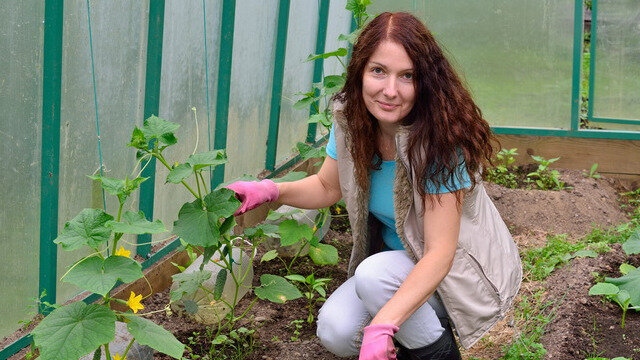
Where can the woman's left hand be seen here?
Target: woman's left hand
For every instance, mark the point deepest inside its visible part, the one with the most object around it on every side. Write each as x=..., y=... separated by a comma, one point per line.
x=377, y=342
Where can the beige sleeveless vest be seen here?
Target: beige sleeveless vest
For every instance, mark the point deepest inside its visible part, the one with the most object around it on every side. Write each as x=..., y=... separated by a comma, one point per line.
x=486, y=272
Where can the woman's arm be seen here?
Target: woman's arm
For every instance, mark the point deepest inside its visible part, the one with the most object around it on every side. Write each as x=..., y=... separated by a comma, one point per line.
x=441, y=229
x=315, y=191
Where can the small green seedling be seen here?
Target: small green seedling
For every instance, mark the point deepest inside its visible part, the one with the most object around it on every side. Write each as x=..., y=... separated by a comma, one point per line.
x=624, y=291
x=543, y=177
x=502, y=173
x=592, y=172
x=313, y=288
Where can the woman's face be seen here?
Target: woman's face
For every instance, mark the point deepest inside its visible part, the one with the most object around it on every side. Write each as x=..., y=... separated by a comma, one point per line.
x=387, y=84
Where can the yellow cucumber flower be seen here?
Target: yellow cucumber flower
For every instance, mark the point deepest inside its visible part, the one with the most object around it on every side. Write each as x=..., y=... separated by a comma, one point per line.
x=134, y=302
x=118, y=357
x=123, y=252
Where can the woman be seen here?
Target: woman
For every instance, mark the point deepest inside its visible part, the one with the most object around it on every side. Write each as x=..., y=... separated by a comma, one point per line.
x=430, y=250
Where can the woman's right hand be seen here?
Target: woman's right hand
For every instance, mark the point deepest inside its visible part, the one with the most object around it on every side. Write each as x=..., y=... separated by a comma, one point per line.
x=254, y=193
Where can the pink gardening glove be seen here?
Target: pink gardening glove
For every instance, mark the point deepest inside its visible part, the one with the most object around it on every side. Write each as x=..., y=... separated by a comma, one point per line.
x=377, y=342
x=254, y=193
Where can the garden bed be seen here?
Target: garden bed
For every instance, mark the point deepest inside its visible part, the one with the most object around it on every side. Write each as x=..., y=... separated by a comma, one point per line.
x=582, y=325
x=530, y=214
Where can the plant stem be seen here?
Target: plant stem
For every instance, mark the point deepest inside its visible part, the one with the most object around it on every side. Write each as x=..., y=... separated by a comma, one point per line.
x=198, y=185
x=107, y=353
x=124, y=356
x=160, y=158
x=342, y=63
x=204, y=183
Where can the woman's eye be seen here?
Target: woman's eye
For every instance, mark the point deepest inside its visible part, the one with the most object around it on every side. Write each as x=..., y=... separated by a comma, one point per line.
x=376, y=70
x=408, y=76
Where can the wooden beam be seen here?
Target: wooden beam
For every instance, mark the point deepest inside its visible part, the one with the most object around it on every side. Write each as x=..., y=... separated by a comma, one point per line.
x=615, y=158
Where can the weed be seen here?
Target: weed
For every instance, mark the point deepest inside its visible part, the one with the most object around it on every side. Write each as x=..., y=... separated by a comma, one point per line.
x=533, y=313
x=313, y=287
x=541, y=262
x=545, y=178
x=592, y=172
x=297, y=326
x=502, y=173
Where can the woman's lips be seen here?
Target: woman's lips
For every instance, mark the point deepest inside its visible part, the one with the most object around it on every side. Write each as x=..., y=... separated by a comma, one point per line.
x=387, y=106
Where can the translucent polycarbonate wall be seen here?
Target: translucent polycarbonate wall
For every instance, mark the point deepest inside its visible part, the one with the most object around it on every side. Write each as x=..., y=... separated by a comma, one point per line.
x=251, y=80
x=21, y=32
x=339, y=23
x=183, y=87
x=119, y=47
x=298, y=75
x=516, y=56
x=617, y=61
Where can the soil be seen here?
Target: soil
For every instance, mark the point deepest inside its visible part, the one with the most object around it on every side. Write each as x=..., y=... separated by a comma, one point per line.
x=583, y=325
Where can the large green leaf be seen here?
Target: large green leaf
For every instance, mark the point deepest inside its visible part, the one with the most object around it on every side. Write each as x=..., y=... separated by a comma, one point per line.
x=146, y=332
x=629, y=283
x=136, y=223
x=323, y=254
x=179, y=173
x=197, y=226
x=308, y=152
x=339, y=52
x=72, y=331
x=244, y=177
x=87, y=228
x=157, y=128
x=188, y=283
x=200, y=226
x=138, y=140
x=209, y=158
x=262, y=230
x=291, y=232
x=604, y=289
x=333, y=83
x=632, y=245
x=100, y=276
x=276, y=289
x=222, y=202
x=291, y=176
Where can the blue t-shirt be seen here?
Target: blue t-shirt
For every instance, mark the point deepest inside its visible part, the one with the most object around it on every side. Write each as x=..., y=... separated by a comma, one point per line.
x=381, y=195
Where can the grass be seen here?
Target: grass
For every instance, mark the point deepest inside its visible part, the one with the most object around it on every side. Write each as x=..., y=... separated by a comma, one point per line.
x=532, y=314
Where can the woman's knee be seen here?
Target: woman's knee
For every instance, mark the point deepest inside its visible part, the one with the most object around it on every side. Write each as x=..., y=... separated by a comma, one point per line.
x=380, y=275
x=339, y=337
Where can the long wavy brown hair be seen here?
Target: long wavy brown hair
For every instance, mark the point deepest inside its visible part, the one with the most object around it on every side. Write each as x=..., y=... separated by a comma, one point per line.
x=445, y=125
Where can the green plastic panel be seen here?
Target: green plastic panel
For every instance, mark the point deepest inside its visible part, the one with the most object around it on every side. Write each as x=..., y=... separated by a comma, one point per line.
x=21, y=34
x=118, y=33
x=298, y=75
x=339, y=23
x=250, y=91
x=516, y=56
x=617, y=61
x=184, y=86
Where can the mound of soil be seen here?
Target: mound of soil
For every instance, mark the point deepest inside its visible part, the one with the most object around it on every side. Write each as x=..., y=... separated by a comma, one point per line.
x=591, y=202
x=586, y=326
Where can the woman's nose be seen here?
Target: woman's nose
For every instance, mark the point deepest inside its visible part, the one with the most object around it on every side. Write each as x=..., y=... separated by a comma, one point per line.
x=390, y=88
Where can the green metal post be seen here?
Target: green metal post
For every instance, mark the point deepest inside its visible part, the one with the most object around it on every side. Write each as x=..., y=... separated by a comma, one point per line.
x=592, y=58
x=151, y=107
x=321, y=40
x=224, y=83
x=577, y=64
x=51, y=98
x=276, y=87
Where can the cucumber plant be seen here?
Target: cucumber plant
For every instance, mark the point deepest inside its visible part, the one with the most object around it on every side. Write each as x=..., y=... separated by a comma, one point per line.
x=625, y=290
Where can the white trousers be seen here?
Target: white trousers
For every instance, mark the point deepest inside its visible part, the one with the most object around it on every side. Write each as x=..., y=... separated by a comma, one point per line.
x=352, y=306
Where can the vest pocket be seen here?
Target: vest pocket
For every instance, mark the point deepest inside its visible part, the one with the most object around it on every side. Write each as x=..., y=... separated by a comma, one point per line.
x=475, y=264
